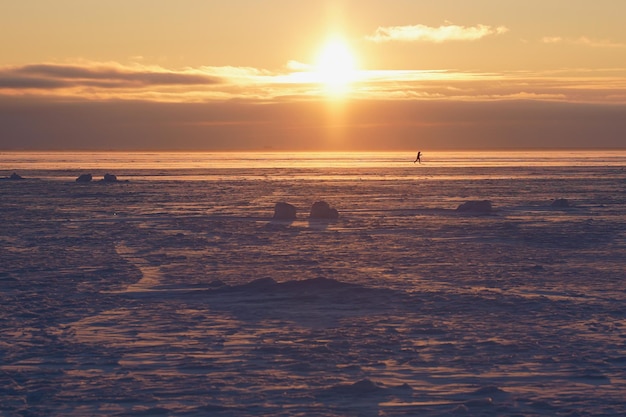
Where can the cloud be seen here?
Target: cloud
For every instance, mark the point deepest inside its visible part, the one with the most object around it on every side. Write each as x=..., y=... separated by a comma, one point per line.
x=298, y=66
x=598, y=86
x=116, y=75
x=56, y=76
x=10, y=81
x=584, y=41
x=552, y=39
x=445, y=33
x=110, y=80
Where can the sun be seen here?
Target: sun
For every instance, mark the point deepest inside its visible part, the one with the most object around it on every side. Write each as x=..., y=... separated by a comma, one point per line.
x=335, y=66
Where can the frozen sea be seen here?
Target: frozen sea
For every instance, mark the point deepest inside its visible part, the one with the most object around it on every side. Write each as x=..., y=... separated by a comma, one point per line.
x=174, y=292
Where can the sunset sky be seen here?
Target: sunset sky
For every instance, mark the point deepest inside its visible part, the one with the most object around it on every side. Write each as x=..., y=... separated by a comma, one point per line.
x=322, y=75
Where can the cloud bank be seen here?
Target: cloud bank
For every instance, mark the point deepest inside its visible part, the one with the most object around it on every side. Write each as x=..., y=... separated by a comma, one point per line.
x=111, y=81
x=27, y=123
x=444, y=33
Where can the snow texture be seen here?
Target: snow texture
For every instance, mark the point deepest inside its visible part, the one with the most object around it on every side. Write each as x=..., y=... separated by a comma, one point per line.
x=476, y=206
x=163, y=296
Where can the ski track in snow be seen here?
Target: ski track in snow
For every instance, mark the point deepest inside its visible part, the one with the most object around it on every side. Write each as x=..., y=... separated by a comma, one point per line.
x=185, y=298
x=151, y=276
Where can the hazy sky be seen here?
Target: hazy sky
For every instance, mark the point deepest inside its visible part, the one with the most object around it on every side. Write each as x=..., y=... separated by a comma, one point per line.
x=284, y=74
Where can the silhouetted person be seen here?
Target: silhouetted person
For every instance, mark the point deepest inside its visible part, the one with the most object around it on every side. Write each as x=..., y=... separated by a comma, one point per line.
x=418, y=158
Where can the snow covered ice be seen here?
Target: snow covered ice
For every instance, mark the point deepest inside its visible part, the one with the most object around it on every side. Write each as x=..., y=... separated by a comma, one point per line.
x=174, y=292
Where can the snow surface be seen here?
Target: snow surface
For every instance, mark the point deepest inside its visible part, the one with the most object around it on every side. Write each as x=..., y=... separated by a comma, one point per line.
x=162, y=296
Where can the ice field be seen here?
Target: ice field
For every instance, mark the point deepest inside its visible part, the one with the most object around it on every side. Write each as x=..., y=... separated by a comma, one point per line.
x=173, y=291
